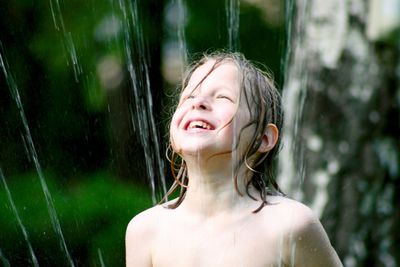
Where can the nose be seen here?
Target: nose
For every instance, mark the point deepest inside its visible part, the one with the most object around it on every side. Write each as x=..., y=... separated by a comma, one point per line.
x=200, y=102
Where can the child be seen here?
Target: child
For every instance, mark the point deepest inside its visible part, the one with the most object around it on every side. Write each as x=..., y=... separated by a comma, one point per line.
x=230, y=212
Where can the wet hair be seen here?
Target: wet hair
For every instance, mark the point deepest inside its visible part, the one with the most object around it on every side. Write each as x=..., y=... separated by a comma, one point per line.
x=264, y=104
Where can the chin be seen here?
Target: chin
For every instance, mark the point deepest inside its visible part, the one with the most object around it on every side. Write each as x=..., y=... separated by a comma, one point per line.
x=198, y=151
x=195, y=151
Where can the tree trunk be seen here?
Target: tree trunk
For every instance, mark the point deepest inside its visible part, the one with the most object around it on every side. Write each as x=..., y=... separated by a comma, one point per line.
x=341, y=138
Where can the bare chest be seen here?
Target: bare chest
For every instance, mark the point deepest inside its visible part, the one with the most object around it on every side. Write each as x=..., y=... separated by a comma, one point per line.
x=234, y=245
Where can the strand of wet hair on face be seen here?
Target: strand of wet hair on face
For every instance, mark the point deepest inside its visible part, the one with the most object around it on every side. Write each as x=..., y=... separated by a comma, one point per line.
x=194, y=67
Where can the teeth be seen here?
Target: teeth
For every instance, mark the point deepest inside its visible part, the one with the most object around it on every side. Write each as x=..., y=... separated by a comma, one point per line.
x=199, y=124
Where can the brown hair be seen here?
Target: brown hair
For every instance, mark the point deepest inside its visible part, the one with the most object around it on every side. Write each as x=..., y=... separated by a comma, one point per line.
x=264, y=103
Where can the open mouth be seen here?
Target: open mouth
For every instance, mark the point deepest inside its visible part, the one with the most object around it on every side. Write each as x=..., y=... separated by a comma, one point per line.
x=199, y=124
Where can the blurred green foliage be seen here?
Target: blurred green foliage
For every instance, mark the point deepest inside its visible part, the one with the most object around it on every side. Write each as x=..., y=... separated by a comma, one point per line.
x=93, y=213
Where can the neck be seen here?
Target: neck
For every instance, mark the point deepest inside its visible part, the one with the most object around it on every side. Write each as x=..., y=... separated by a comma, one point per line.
x=211, y=189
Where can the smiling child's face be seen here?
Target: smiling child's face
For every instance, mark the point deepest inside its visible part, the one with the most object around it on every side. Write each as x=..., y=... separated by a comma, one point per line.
x=209, y=117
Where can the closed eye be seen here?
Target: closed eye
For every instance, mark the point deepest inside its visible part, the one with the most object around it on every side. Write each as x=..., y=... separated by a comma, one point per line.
x=224, y=97
x=183, y=98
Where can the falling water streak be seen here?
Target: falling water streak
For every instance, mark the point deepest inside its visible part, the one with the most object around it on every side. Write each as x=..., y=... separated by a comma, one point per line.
x=101, y=258
x=137, y=98
x=28, y=137
x=67, y=41
x=154, y=135
x=232, y=9
x=294, y=94
x=289, y=9
x=15, y=211
x=297, y=146
x=293, y=254
x=149, y=107
x=73, y=56
x=53, y=13
x=143, y=128
x=143, y=97
x=181, y=35
x=235, y=157
x=4, y=260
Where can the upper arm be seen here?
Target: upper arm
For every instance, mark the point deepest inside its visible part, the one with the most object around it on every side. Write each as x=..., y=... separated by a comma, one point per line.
x=309, y=244
x=138, y=242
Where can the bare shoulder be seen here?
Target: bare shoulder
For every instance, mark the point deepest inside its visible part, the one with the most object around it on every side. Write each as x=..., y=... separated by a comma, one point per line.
x=291, y=212
x=139, y=237
x=307, y=243
x=143, y=221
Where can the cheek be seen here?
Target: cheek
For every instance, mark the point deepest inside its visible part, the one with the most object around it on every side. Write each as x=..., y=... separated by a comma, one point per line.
x=177, y=117
x=174, y=128
x=173, y=145
x=172, y=138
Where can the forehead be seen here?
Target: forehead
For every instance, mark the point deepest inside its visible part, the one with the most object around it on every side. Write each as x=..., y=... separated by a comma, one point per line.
x=224, y=73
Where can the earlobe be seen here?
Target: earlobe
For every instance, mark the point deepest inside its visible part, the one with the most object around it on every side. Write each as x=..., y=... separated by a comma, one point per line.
x=270, y=138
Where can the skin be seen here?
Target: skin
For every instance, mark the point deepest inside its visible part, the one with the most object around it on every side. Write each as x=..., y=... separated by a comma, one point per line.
x=214, y=225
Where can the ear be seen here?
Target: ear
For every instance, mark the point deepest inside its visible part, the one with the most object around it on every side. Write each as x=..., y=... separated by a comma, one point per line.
x=269, y=139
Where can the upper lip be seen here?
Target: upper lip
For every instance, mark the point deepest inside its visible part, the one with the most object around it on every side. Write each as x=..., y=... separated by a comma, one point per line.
x=187, y=123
